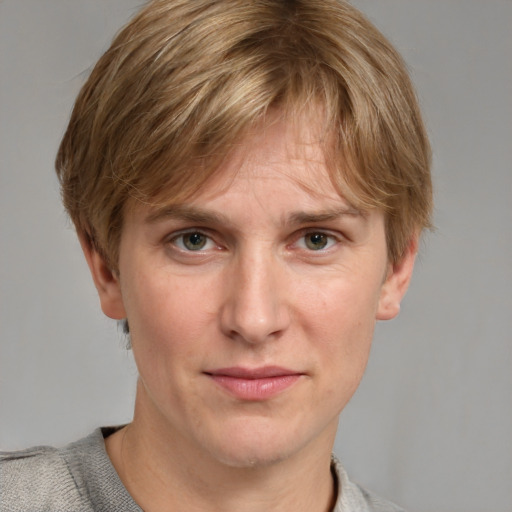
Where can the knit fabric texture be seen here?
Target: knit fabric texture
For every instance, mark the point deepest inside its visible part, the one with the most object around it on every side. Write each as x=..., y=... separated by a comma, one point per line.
x=81, y=478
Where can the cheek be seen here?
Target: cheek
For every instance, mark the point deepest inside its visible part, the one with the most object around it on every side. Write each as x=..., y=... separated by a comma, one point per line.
x=340, y=325
x=342, y=307
x=167, y=316
x=345, y=354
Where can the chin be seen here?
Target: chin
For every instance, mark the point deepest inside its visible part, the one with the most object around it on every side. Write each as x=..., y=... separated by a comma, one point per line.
x=251, y=458
x=257, y=447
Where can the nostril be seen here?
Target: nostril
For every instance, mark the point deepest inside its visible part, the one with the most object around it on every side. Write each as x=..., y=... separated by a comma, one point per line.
x=249, y=327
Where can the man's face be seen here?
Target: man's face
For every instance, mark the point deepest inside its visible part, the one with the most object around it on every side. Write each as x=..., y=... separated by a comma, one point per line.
x=252, y=305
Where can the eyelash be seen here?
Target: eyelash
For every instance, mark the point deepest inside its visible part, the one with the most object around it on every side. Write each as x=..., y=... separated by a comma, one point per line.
x=329, y=238
x=178, y=240
x=175, y=240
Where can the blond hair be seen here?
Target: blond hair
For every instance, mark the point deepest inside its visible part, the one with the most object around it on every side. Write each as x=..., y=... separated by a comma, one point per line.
x=184, y=80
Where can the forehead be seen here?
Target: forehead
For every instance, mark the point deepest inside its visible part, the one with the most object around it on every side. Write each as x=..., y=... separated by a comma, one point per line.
x=285, y=155
x=277, y=178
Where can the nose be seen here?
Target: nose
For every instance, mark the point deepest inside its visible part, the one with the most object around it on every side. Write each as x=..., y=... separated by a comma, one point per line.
x=255, y=308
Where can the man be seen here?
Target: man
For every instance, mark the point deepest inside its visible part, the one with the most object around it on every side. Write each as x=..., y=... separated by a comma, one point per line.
x=248, y=181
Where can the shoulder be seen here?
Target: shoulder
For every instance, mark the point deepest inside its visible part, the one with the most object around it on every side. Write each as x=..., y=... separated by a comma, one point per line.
x=77, y=478
x=353, y=497
x=35, y=479
x=43, y=479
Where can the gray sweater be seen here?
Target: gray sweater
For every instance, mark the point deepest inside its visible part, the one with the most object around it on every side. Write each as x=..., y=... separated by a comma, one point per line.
x=81, y=478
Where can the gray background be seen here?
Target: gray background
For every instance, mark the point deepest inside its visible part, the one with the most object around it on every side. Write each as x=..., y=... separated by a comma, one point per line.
x=431, y=425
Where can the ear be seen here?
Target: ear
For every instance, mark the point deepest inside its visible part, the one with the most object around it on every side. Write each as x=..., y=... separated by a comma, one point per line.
x=105, y=280
x=396, y=283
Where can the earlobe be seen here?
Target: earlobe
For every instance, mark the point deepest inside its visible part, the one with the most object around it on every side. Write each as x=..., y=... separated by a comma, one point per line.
x=396, y=283
x=106, y=281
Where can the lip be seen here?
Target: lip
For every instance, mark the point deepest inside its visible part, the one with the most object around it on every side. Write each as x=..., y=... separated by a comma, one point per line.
x=254, y=384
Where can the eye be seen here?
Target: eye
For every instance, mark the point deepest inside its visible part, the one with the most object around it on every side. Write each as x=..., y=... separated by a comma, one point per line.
x=192, y=241
x=316, y=241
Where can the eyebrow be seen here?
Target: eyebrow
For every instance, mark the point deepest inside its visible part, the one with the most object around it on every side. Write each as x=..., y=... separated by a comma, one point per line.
x=323, y=216
x=187, y=213
x=202, y=216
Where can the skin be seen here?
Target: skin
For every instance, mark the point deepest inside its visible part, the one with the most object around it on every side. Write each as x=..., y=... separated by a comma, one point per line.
x=268, y=265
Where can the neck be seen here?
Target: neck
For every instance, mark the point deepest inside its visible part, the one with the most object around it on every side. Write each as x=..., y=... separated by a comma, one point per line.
x=163, y=472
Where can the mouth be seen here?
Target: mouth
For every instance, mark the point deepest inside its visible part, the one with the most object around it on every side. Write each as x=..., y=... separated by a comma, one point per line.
x=254, y=384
